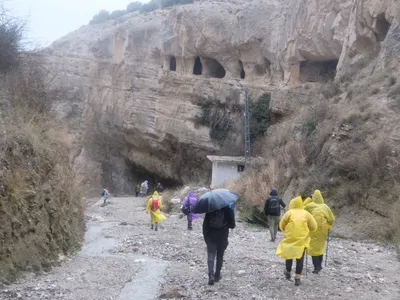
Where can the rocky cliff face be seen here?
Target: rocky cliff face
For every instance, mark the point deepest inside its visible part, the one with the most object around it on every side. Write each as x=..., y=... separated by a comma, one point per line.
x=135, y=85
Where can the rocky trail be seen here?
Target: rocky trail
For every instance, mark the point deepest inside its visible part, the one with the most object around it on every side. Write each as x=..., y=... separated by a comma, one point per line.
x=123, y=259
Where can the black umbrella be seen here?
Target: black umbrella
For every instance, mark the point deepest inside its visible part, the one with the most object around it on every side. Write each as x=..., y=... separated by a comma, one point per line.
x=214, y=200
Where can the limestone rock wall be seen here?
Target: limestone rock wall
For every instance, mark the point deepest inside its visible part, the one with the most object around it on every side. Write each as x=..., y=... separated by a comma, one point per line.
x=139, y=71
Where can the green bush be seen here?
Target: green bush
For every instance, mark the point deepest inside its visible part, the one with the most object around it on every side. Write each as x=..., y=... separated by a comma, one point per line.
x=260, y=116
x=216, y=116
x=309, y=125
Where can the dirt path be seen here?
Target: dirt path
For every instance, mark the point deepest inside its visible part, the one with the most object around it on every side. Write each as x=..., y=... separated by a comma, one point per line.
x=123, y=259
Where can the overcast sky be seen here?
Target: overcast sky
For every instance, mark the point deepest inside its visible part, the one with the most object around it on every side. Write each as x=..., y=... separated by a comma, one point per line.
x=48, y=20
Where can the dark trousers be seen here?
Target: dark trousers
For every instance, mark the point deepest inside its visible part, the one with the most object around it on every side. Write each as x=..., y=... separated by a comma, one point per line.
x=190, y=222
x=299, y=265
x=218, y=250
x=317, y=262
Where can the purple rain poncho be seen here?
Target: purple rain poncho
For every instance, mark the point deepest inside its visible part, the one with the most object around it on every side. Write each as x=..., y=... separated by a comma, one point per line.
x=192, y=198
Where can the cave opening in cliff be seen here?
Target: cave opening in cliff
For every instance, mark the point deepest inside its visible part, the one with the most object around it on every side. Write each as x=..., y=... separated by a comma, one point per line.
x=382, y=27
x=318, y=71
x=139, y=174
x=172, y=63
x=198, y=67
x=214, y=68
x=242, y=72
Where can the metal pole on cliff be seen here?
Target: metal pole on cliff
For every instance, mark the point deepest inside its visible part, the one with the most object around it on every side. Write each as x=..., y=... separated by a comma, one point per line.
x=246, y=127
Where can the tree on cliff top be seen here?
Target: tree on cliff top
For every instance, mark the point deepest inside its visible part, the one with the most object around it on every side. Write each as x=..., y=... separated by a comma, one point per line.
x=11, y=34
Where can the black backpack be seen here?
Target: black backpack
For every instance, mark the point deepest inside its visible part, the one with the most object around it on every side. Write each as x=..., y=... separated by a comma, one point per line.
x=187, y=208
x=103, y=193
x=217, y=220
x=274, y=206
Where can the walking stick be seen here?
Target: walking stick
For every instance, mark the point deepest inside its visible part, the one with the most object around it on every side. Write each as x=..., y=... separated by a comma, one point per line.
x=327, y=247
x=306, y=262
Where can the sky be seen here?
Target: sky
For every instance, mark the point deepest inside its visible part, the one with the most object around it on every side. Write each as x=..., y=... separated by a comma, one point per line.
x=49, y=20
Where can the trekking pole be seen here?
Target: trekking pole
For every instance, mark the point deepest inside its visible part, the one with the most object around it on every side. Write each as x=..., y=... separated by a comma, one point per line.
x=327, y=247
x=306, y=262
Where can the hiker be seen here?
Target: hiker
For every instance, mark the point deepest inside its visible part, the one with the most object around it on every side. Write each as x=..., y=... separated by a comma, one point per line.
x=296, y=224
x=159, y=188
x=104, y=195
x=186, y=208
x=137, y=190
x=325, y=219
x=144, y=187
x=154, y=206
x=216, y=231
x=272, y=210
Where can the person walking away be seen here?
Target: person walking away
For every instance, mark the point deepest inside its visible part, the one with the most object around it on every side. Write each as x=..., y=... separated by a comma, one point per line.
x=154, y=206
x=159, y=188
x=296, y=225
x=325, y=219
x=137, y=190
x=186, y=208
x=144, y=187
x=272, y=210
x=104, y=195
x=216, y=227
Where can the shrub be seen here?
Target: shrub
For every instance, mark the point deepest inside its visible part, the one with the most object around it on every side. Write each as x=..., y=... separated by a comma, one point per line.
x=133, y=6
x=11, y=34
x=117, y=14
x=168, y=3
x=330, y=90
x=260, y=116
x=308, y=126
x=216, y=116
x=101, y=17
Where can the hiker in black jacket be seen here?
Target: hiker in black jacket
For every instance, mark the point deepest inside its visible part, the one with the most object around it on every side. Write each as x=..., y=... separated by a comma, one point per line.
x=216, y=231
x=272, y=210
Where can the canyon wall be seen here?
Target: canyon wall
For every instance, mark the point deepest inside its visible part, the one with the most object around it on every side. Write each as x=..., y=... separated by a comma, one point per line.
x=134, y=86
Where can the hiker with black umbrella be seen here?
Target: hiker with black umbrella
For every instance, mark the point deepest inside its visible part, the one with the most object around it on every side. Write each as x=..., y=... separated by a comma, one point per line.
x=219, y=218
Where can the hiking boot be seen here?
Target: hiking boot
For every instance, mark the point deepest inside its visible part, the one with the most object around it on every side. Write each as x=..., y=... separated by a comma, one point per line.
x=287, y=274
x=152, y=227
x=211, y=280
x=317, y=270
x=297, y=281
x=218, y=277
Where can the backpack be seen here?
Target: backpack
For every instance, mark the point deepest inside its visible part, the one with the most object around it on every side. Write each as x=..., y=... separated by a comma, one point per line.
x=274, y=207
x=187, y=208
x=154, y=204
x=216, y=219
x=103, y=193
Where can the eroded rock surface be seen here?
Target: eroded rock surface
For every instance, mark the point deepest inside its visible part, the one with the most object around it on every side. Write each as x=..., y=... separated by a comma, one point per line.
x=143, y=76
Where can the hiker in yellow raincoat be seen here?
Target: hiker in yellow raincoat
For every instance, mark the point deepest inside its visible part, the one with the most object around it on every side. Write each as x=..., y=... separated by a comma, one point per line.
x=296, y=225
x=325, y=219
x=154, y=206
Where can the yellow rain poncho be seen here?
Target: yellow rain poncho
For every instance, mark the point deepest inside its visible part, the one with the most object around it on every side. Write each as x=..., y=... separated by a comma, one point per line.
x=325, y=218
x=307, y=201
x=156, y=215
x=296, y=225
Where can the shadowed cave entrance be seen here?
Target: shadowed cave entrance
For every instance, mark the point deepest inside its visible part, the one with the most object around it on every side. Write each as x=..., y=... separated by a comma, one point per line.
x=214, y=68
x=198, y=67
x=318, y=71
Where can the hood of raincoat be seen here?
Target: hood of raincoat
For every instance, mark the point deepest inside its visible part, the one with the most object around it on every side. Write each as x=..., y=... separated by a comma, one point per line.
x=317, y=197
x=274, y=192
x=296, y=203
x=191, y=195
x=155, y=195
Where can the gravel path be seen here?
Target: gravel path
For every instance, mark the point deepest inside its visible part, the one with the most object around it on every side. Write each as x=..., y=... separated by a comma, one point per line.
x=123, y=259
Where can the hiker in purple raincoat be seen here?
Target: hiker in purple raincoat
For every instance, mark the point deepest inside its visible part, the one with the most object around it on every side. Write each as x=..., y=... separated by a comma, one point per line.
x=187, y=206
